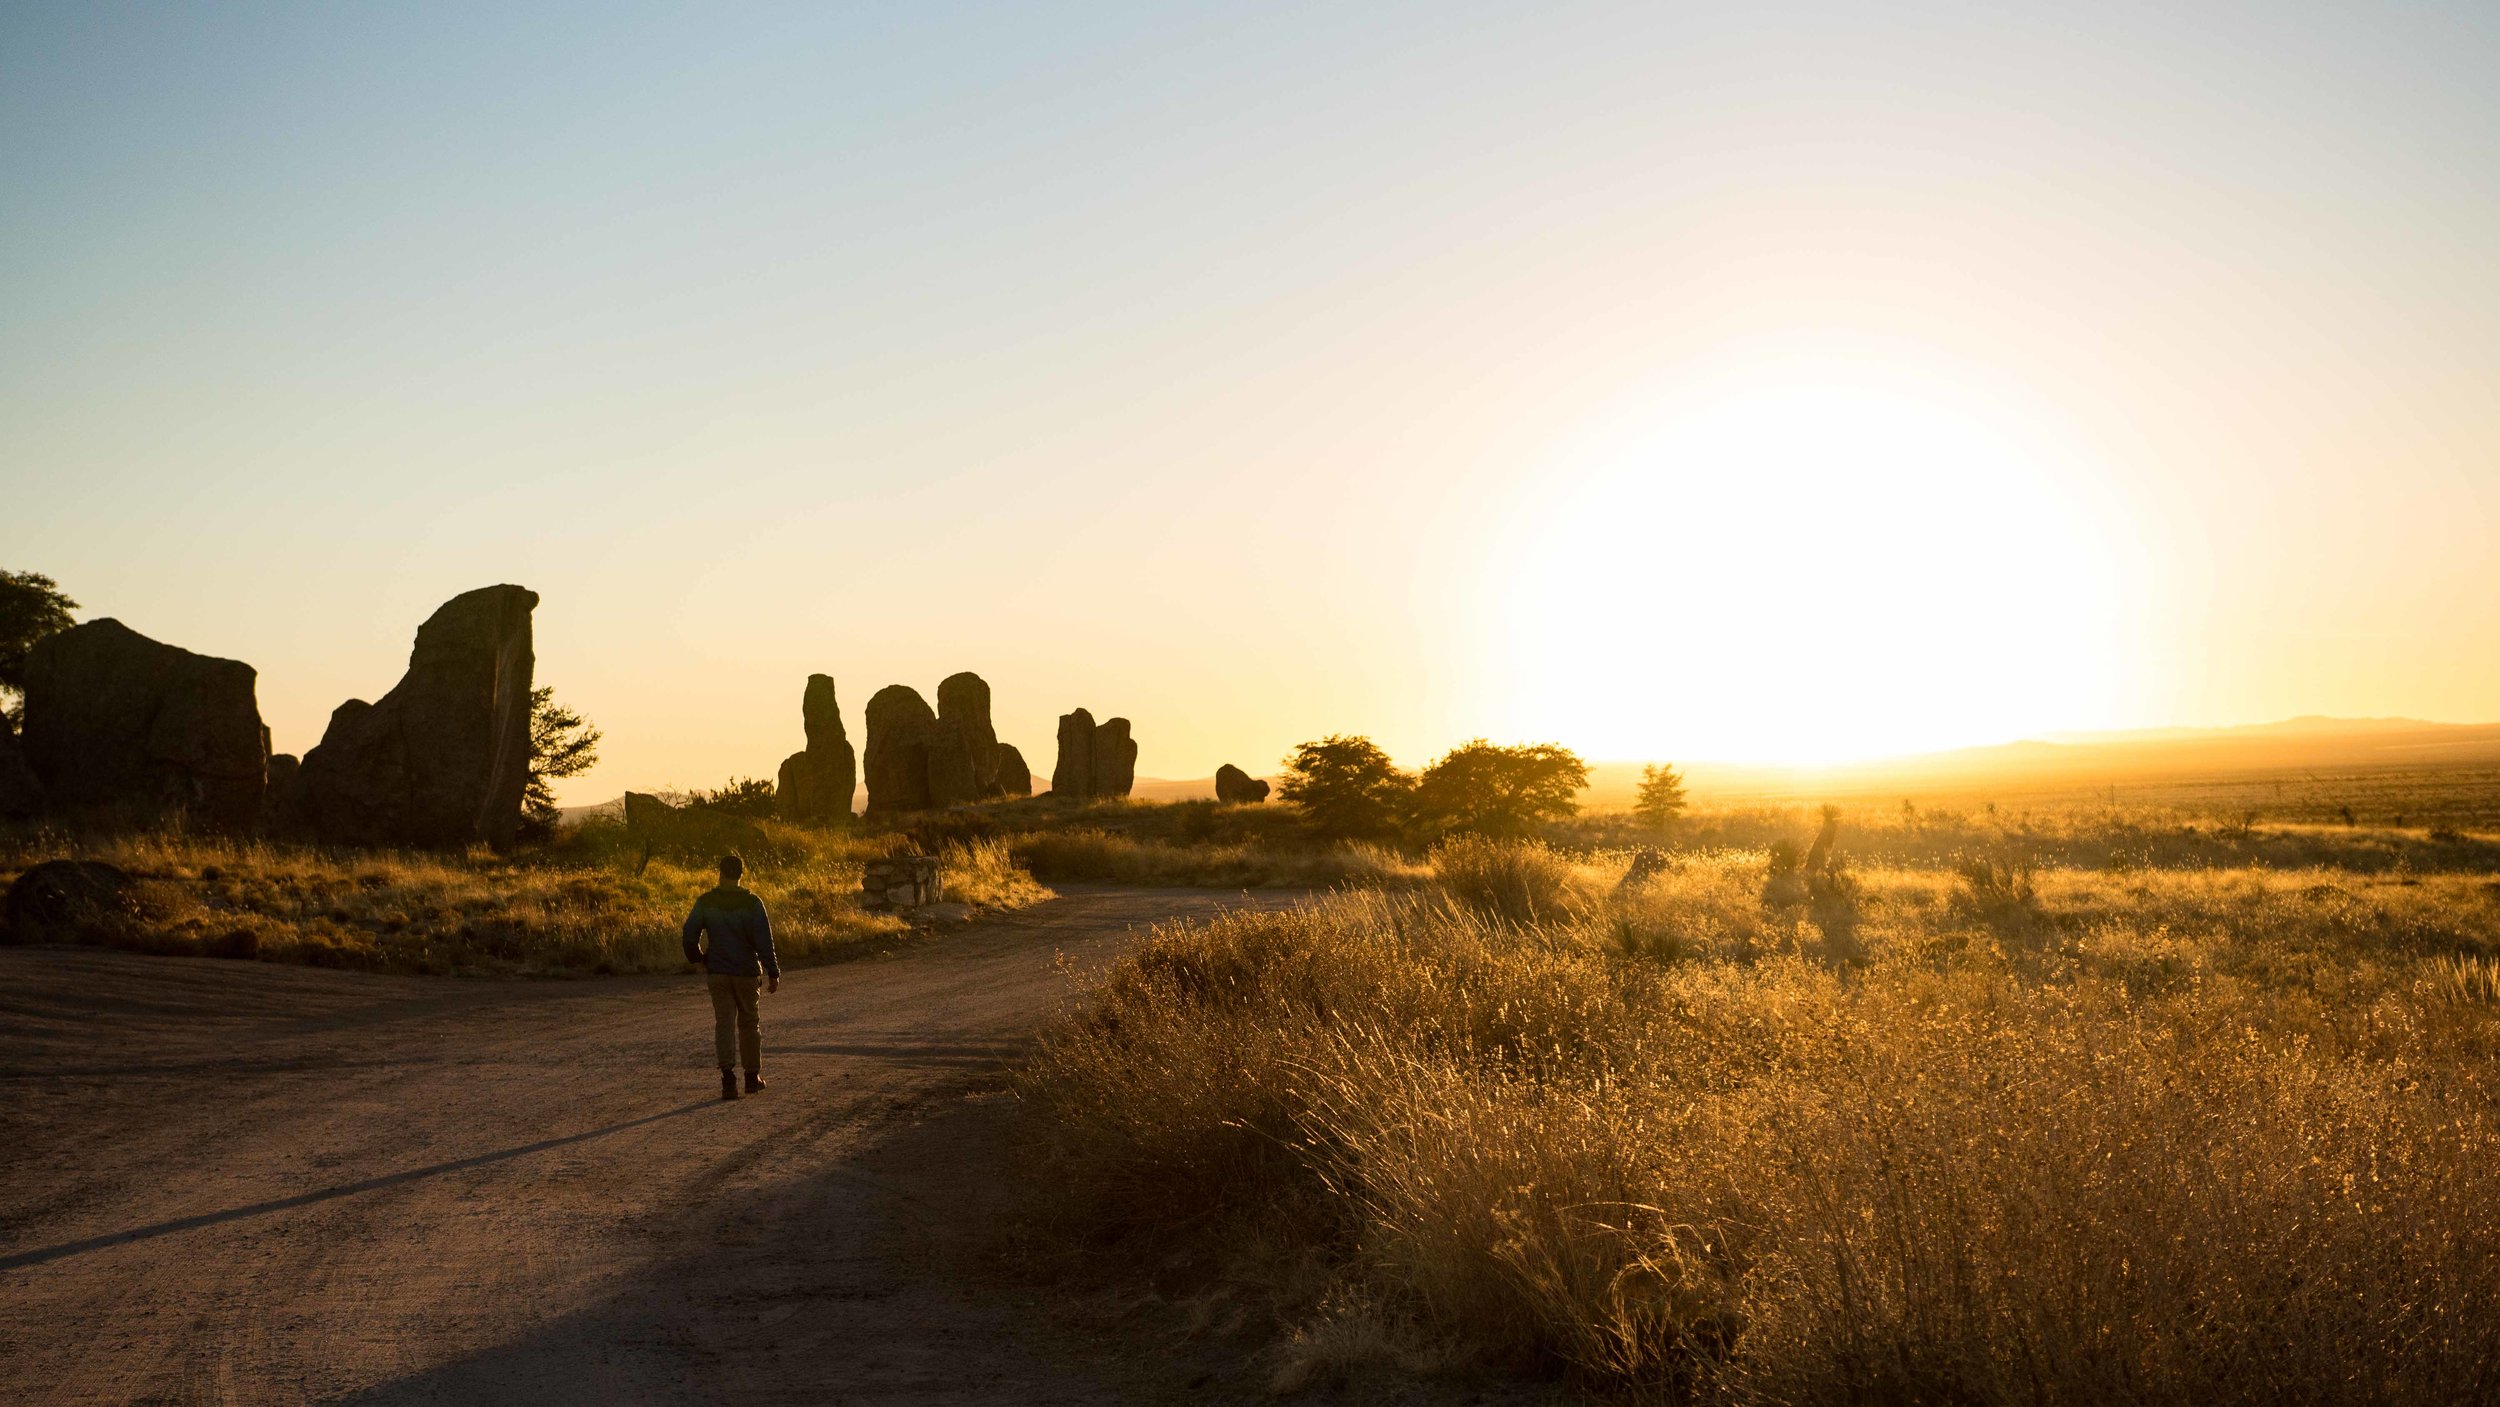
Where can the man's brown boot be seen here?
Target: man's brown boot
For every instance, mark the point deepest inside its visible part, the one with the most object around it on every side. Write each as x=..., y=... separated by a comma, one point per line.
x=728, y=1085
x=754, y=1082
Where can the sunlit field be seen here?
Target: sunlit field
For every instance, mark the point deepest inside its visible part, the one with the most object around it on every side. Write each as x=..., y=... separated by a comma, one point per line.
x=592, y=903
x=2074, y=1108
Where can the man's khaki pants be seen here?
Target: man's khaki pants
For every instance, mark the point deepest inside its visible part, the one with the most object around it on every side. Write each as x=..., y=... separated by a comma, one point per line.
x=735, y=1034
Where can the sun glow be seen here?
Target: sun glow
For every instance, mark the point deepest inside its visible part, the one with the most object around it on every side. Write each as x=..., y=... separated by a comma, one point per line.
x=1813, y=569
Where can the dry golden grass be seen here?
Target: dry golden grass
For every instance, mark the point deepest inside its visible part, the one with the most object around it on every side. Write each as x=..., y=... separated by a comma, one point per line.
x=592, y=904
x=1087, y=854
x=2157, y=1136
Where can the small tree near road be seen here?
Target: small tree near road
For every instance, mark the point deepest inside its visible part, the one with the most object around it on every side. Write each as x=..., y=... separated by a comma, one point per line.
x=562, y=744
x=1661, y=797
x=1483, y=788
x=1348, y=788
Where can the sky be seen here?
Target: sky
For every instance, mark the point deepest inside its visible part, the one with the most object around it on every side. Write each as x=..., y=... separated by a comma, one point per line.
x=1766, y=382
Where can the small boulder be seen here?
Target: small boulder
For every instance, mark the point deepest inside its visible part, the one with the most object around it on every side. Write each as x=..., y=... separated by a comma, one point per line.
x=1236, y=786
x=65, y=901
x=1014, y=778
x=116, y=721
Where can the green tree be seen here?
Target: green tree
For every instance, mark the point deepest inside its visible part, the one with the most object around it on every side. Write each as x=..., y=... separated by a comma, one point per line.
x=1483, y=788
x=31, y=607
x=562, y=744
x=1348, y=787
x=1661, y=797
x=740, y=796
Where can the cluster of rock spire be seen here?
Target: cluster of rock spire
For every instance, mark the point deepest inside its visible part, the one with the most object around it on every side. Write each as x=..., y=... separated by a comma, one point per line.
x=922, y=759
x=116, y=722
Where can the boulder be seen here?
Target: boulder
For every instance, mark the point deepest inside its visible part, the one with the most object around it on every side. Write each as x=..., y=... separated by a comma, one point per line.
x=62, y=901
x=1114, y=759
x=900, y=730
x=20, y=794
x=688, y=831
x=1073, y=776
x=116, y=721
x=817, y=782
x=442, y=759
x=1014, y=778
x=1234, y=785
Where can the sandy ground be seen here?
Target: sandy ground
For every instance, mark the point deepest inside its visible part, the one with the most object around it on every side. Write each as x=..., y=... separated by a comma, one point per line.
x=229, y=1182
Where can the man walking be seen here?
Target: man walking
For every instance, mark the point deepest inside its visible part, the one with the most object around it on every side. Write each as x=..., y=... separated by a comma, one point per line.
x=742, y=946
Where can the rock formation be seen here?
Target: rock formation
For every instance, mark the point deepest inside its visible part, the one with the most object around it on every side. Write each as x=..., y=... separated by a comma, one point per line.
x=919, y=760
x=963, y=705
x=1014, y=777
x=816, y=783
x=1115, y=758
x=20, y=793
x=1234, y=785
x=1073, y=776
x=117, y=721
x=900, y=730
x=1096, y=760
x=441, y=761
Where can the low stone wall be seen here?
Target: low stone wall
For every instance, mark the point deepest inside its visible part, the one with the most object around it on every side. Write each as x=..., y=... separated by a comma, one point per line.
x=901, y=882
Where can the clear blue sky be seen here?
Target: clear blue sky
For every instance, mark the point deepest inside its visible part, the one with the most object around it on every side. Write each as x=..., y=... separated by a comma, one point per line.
x=1425, y=370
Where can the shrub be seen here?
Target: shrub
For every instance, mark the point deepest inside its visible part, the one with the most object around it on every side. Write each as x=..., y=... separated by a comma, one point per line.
x=1478, y=788
x=1348, y=788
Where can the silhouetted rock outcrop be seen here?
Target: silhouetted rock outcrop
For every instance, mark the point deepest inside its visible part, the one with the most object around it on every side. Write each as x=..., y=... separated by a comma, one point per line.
x=1096, y=760
x=901, y=728
x=816, y=783
x=20, y=793
x=1234, y=785
x=117, y=721
x=963, y=705
x=1072, y=776
x=1115, y=758
x=1014, y=777
x=442, y=759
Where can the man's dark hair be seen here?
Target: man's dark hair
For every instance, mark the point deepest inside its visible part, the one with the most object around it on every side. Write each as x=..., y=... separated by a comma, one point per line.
x=730, y=868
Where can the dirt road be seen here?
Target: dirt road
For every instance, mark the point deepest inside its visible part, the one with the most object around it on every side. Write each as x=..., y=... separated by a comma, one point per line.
x=228, y=1182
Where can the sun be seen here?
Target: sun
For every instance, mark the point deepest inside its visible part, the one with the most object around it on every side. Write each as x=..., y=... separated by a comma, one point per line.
x=1811, y=568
